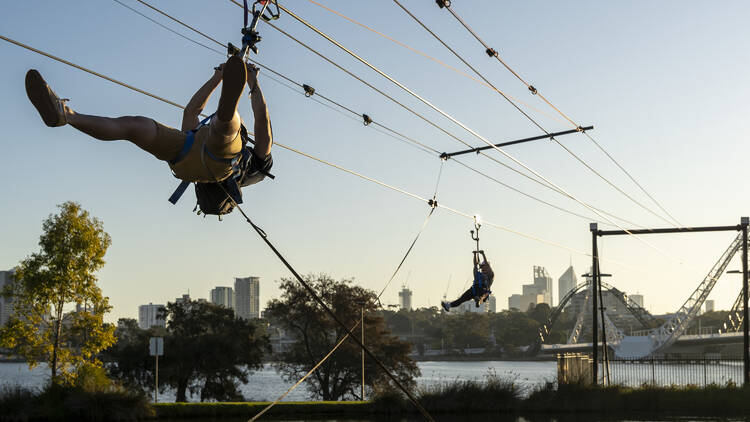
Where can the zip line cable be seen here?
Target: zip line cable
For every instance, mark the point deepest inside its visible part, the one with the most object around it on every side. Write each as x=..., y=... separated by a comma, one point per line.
x=417, y=143
x=441, y=63
x=388, y=97
x=330, y=353
x=454, y=120
x=320, y=160
x=568, y=150
x=492, y=52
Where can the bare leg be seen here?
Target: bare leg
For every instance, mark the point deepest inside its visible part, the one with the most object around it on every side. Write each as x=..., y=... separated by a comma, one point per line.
x=136, y=129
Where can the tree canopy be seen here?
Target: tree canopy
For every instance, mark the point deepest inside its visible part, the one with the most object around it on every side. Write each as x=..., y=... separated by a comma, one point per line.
x=207, y=352
x=59, y=309
x=316, y=334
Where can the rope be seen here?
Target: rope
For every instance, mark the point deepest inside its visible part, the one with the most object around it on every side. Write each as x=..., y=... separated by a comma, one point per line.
x=385, y=95
x=441, y=63
x=468, y=129
x=560, y=112
x=527, y=116
x=275, y=143
x=400, y=264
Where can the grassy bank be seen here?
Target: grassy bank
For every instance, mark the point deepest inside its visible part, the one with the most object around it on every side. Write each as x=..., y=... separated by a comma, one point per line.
x=56, y=403
x=249, y=409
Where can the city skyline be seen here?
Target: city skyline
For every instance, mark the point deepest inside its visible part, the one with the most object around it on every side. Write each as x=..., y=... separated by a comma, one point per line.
x=636, y=85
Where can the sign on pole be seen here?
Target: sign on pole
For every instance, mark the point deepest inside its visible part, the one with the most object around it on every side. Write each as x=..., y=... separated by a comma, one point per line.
x=156, y=346
x=156, y=349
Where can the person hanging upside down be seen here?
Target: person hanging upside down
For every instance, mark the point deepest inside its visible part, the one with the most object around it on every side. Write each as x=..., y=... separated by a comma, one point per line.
x=201, y=153
x=480, y=289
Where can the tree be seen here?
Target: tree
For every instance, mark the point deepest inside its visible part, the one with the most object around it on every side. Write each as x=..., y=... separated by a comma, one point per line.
x=316, y=334
x=207, y=351
x=60, y=275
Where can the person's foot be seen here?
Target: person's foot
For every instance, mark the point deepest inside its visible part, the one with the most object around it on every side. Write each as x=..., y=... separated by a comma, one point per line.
x=47, y=103
x=233, y=83
x=446, y=306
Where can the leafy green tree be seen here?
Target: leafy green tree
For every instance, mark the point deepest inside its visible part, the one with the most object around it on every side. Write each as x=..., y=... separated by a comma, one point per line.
x=51, y=281
x=207, y=351
x=316, y=334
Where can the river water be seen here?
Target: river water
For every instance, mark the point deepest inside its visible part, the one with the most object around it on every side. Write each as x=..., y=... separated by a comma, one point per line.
x=267, y=384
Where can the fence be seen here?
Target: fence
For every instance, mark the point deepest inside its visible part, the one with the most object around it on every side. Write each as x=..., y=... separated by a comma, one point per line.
x=658, y=371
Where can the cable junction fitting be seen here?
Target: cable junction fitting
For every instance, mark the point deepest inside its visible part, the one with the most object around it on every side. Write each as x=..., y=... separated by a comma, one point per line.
x=444, y=156
x=491, y=52
x=443, y=3
x=367, y=120
x=309, y=91
x=433, y=202
x=532, y=89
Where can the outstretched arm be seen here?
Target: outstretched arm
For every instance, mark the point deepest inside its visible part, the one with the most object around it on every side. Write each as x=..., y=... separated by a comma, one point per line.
x=196, y=105
x=262, y=126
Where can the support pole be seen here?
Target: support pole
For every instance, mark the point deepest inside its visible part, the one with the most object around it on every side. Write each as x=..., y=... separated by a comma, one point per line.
x=594, y=303
x=362, y=326
x=744, y=221
x=605, y=351
x=156, y=381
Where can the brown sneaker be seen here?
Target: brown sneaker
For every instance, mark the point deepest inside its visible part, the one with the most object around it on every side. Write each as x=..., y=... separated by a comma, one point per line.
x=233, y=82
x=47, y=103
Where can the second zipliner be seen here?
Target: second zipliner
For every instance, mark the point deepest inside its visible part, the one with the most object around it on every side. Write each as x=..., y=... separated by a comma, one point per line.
x=483, y=276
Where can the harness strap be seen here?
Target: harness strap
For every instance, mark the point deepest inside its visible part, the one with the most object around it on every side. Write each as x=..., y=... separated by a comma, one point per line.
x=178, y=192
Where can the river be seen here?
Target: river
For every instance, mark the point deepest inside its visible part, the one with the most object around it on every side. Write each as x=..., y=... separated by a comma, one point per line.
x=267, y=384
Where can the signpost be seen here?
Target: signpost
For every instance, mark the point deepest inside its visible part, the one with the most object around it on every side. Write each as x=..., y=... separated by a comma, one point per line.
x=156, y=349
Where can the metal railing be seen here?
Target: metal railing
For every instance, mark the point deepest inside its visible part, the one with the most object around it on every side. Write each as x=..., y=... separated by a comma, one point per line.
x=667, y=371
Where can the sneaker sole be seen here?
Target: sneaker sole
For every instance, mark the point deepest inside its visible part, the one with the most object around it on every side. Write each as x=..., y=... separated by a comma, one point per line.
x=38, y=93
x=232, y=85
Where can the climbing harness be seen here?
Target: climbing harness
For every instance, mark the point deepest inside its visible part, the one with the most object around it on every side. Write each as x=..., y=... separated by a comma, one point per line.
x=250, y=35
x=211, y=198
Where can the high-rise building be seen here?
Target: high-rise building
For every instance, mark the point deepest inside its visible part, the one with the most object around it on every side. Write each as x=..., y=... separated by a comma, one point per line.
x=404, y=298
x=540, y=291
x=247, y=297
x=6, y=302
x=638, y=299
x=566, y=283
x=150, y=316
x=543, y=282
x=184, y=298
x=491, y=304
x=222, y=296
x=710, y=305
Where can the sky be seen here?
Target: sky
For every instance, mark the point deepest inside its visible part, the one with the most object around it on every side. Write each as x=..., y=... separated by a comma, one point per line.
x=663, y=83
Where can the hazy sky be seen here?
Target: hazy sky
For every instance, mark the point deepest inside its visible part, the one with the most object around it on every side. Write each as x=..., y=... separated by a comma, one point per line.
x=664, y=83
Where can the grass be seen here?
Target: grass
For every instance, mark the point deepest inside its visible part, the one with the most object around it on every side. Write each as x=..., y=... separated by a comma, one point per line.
x=248, y=409
x=56, y=403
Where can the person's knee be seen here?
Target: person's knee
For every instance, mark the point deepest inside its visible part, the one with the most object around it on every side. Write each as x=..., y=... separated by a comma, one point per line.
x=138, y=129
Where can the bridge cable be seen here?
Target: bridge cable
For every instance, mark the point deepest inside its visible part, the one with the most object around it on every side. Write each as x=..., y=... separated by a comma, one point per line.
x=396, y=102
x=569, y=151
x=418, y=144
x=454, y=120
x=534, y=91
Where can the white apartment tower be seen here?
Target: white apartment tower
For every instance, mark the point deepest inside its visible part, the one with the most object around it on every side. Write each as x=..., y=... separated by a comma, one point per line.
x=247, y=297
x=222, y=296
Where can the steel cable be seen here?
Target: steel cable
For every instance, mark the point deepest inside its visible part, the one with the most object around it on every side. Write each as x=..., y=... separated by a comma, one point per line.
x=457, y=122
x=535, y=91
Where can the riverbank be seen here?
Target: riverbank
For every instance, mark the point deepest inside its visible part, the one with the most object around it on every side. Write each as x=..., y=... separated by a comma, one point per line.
x=498, y=398
x=501, y=399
